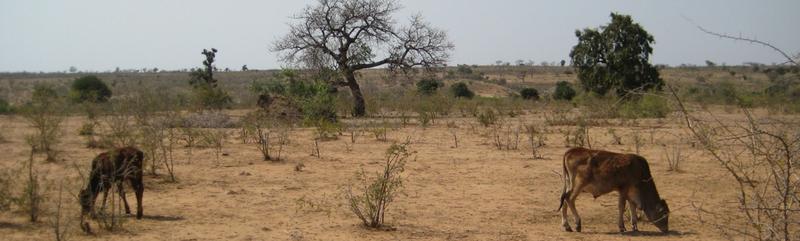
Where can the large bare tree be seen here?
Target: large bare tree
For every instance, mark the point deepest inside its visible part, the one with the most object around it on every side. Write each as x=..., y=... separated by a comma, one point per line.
x=351, y=35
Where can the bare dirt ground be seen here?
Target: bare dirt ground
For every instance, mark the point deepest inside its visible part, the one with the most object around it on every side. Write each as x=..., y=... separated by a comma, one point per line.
x=469, y=192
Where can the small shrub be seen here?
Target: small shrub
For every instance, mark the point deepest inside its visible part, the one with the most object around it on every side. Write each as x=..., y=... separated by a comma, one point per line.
x=87, y=129
x=460, y=90
x=208, y=97
x=564, y=91
x=89, y=88
x=487, y=117
x=428, y=86
x=673, y=157
x=5, y=107
x=649, y=106
x=372, y=196
x=44, y=113
x=529, y=94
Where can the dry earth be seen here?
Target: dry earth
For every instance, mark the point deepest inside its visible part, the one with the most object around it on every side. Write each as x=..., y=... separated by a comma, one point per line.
x=472, y=192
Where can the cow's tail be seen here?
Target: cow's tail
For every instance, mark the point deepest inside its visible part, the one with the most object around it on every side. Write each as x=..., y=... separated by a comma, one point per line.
x=567, y=185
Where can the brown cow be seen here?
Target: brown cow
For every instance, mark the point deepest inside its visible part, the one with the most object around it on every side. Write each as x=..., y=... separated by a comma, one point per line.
x=600, y=172
x=114, y=167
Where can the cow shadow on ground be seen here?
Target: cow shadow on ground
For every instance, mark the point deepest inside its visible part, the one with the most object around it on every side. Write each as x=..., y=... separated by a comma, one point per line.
x=7, y=225
x=672, y=233
x=163, y=218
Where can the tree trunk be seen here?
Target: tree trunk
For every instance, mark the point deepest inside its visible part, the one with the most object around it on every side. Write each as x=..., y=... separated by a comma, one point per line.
x=359, y=108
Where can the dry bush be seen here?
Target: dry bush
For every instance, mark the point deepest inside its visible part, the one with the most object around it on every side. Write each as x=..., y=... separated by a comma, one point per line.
x=120, y=123
x=674, y=157
x=265, y=129
x=7, y=177
x=615, y=138
x=505, y=136
x=45, y=114
x=487, y=117
x=579, y=137
x=369, y=198
x=33, y=193
x=60, y=223
x=452, y=127
x=761, y=155
x=637, y=141
x=536, y=139
x=379, y=130
x=215, y=138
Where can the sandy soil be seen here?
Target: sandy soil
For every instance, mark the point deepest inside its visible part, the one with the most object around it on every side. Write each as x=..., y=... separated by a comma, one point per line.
x=472, y=192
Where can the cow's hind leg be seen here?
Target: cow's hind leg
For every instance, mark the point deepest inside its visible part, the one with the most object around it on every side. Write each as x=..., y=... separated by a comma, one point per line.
x=138, y=188
x=564, y=218
x=571, y=204
x=621, y=217
x=121, y=191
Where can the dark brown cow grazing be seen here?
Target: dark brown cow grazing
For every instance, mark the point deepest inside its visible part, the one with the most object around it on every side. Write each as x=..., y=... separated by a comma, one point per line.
x=600, y=172
x=114, y=167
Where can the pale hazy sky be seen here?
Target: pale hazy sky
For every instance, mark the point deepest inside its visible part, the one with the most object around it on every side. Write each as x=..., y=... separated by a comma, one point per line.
x=99, y=35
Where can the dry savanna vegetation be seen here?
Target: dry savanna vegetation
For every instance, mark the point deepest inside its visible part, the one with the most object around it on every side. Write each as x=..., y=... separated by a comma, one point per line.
x=340, y=150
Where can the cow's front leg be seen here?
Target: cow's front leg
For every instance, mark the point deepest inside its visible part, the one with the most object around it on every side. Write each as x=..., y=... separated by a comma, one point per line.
x=634, y=217
x=621, y=217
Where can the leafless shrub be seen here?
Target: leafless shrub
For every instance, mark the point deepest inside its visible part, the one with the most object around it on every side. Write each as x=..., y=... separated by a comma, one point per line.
x=120, y=123
x=505, y=136
x=452, y=127
x=208, y=119
x=762, y=157
x=536, y=139
x=615, y=139
x=7, y=177
x=369, y=198
x=674, y=157
x=637, y=141
x=33, y=194
x=215, y=138
x=577, y=137
x=265, y=128
x=45, y=115
x=379, y=131
x=60, y=223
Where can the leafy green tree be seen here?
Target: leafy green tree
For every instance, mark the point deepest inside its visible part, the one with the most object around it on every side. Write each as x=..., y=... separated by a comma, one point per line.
x=615, y=57
x=529, y=93
x=564, y=91
x=206, y=91
x=89, y=88
x=428, y=86
x=460, y=89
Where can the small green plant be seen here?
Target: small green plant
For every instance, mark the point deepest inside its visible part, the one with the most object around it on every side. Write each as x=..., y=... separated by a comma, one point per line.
x=564, y=91
x=461, y=90
x=648, y=106
x=529, y=93
x=369, y=198
x=428, y=86
x=487, y=117
x=89, y=89
x=5, y=107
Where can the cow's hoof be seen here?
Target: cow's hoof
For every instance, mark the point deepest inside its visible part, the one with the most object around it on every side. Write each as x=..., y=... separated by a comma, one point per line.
x=578, y=228
x=622, y=230
x=568, y=229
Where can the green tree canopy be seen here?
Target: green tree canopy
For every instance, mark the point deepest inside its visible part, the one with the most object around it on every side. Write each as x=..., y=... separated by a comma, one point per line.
x=89, y=88
x=615, y=57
